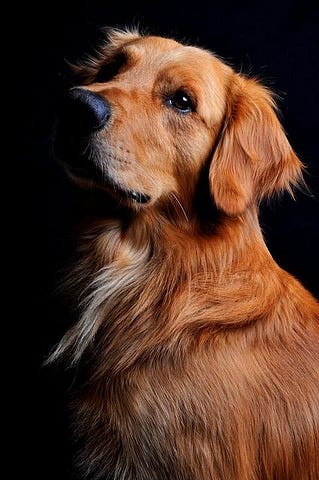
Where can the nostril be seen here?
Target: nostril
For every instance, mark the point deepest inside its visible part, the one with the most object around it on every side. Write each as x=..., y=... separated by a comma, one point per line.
x=85, y=111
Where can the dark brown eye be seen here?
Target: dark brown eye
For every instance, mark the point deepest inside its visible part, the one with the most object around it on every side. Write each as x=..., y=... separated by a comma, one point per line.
x=111, y=69
x=181, y=101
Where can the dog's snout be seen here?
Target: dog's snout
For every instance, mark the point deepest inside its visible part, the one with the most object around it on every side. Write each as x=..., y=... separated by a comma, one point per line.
x=85, y=111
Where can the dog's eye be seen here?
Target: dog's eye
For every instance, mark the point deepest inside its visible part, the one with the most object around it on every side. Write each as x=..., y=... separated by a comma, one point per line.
x=111, y=69
x=181, y=101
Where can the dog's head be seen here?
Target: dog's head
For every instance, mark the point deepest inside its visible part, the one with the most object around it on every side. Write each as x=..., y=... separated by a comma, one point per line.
x=151, y=115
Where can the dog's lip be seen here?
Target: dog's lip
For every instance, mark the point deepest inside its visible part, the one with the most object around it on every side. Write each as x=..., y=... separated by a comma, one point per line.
x=95, y=178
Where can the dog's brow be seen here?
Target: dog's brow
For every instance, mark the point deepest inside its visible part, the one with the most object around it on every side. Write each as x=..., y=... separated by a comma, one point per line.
x=132, y=53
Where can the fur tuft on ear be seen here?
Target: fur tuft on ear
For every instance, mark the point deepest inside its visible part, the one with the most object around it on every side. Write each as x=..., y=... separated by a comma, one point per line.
x=253, y=158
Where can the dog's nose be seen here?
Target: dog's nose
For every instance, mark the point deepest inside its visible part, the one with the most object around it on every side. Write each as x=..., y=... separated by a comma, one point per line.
x=84, y=111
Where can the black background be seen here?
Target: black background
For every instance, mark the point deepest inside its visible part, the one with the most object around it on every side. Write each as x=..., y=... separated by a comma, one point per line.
x=277, y=41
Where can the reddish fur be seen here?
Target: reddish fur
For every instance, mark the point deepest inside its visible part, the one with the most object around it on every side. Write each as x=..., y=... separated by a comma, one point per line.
x=203, y=353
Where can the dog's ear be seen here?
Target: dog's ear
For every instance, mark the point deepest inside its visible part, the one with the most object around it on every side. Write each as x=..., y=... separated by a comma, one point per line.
x=252, y=158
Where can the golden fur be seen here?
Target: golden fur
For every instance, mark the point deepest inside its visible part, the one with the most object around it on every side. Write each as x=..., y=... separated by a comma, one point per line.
x=199, y=354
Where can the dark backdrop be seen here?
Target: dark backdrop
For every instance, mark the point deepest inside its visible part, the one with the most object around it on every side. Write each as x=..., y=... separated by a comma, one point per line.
x=273, y=40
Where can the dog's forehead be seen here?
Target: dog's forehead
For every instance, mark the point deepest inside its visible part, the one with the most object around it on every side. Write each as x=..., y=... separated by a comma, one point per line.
x=152, y=58
x=159, y=50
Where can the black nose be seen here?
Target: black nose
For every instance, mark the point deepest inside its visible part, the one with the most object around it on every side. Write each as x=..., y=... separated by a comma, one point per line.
x=83, y=111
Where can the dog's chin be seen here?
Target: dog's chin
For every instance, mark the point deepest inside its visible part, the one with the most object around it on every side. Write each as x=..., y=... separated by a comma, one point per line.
x=90, y=178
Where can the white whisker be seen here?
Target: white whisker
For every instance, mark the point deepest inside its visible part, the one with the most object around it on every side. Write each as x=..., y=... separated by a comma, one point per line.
x=180, y=205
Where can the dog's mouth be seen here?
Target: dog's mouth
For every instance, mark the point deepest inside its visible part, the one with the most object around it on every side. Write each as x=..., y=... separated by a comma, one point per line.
x=72, y=151
x=92, y=177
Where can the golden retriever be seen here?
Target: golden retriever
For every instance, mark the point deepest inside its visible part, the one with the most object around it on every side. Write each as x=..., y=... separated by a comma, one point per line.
x=198, y=355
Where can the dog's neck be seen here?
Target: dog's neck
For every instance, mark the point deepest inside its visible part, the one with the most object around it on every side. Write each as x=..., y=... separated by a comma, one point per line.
x=221, y=245
x=139, y=274
x=150, y=245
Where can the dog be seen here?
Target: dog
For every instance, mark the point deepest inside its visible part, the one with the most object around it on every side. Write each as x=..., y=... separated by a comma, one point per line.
x=198, y=355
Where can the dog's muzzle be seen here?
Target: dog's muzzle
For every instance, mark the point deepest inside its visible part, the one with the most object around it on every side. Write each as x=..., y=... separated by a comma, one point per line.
x=81, y=115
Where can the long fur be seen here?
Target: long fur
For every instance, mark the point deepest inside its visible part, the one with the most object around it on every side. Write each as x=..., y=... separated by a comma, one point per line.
x=199, y=354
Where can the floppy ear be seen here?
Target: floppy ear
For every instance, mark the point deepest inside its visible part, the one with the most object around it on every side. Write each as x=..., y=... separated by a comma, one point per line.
x=253, y=158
